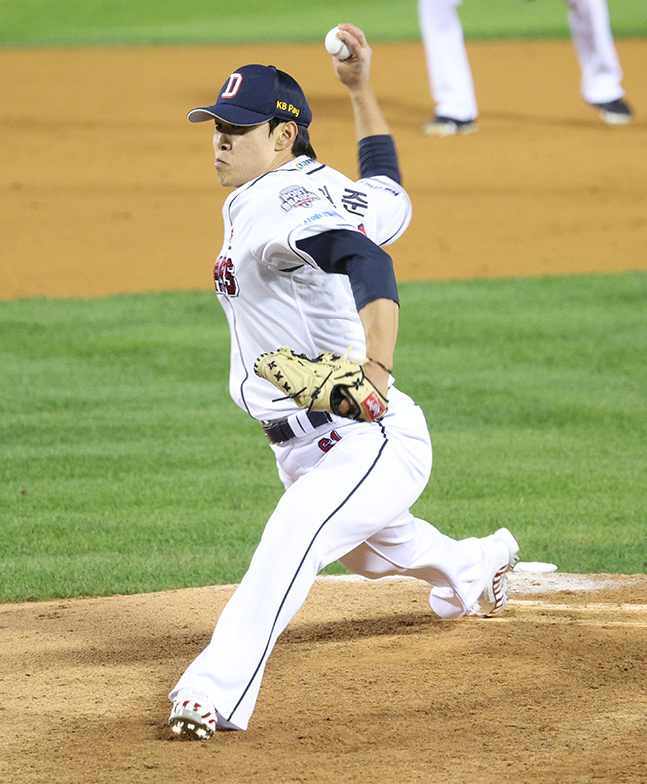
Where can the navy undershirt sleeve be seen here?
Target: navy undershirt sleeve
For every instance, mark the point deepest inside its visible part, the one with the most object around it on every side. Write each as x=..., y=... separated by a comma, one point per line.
x=378, y=156
x=368, y=267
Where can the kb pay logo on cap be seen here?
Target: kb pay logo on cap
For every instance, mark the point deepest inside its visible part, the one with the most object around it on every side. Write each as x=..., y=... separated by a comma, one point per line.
x=285, y=107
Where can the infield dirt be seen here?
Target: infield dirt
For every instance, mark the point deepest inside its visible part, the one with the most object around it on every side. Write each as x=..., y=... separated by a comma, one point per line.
x=105, y=188
x=365, y=685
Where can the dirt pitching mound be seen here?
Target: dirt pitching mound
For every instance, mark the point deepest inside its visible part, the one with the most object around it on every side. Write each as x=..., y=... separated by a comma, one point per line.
x=366, y=684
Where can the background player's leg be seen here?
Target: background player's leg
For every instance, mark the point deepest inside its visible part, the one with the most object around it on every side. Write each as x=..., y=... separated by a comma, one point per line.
x=596, y=52
x=448, y=68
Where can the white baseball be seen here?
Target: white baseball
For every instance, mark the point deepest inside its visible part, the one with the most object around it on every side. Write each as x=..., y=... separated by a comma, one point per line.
x=335, y=46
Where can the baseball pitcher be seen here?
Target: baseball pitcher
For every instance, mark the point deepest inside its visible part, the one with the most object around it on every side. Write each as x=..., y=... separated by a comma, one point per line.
x=312, y=304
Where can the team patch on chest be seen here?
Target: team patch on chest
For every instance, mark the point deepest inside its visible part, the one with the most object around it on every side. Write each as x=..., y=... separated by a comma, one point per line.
x=296, y=196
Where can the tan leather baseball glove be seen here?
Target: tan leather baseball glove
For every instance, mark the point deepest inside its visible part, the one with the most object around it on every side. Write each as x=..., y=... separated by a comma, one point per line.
x=323, y=383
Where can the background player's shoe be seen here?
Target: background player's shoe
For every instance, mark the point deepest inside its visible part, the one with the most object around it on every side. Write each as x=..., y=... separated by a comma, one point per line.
x=193, y=715
x=447, y=126
x=614, y=112
x=494, y=598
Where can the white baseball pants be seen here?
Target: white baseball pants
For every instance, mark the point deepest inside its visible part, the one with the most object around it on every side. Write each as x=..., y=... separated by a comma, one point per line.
x=449, y=71
x=596, y=52
x=349, y=486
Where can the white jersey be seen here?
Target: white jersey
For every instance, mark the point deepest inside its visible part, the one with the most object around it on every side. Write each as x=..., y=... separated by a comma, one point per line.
x=273, y=293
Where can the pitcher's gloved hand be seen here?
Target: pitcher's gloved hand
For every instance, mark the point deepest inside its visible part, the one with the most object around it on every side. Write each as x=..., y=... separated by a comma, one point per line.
x=323, y=383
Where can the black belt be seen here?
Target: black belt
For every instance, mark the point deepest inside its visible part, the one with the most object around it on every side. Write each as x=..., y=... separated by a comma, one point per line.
x=281, y=431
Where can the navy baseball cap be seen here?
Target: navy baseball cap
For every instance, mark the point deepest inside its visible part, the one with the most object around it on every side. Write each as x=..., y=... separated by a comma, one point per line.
x=255, y=94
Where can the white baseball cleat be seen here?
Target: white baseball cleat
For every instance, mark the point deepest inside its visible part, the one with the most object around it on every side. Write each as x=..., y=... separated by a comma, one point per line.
x=193, y=715
x=494, y=598
x=448, y=126
x=614, y=112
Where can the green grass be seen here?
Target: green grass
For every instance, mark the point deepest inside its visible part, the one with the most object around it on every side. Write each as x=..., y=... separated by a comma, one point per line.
x=126, y=468
x=116, y=461
x=110, y=22
x=535, y=397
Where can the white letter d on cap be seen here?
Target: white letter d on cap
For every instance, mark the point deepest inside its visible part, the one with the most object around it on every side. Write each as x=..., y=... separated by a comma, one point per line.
x=233, y=86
